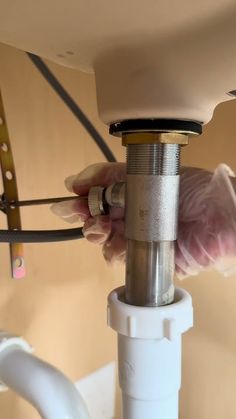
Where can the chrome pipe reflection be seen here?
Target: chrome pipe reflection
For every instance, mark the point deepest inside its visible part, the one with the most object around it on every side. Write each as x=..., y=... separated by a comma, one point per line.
x=149, y=273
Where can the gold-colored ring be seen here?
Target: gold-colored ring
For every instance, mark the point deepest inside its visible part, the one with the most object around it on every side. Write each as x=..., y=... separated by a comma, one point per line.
x=155, y=138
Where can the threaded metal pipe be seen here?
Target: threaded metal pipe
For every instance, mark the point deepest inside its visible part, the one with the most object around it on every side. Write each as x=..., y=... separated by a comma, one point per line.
x=153, y=159
x=151, y=222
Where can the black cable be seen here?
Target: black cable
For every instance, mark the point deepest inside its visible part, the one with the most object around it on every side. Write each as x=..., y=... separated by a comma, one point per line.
x=40, y=236
x=69, y=101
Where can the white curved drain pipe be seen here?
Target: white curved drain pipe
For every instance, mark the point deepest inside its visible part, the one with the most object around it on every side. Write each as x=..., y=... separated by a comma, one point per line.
x=149, y=349
x=41, y=384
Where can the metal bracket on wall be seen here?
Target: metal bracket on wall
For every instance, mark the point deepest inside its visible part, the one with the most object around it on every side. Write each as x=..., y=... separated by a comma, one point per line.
x=10, y=195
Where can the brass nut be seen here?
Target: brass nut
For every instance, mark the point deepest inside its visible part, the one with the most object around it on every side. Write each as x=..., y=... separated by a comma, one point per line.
x=155, y=138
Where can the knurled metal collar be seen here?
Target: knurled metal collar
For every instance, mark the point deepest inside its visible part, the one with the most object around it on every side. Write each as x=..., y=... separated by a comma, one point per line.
x=96, y=201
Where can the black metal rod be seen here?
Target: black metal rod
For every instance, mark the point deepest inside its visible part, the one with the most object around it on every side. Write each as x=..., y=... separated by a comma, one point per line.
x=75, y=109
x=4, y=204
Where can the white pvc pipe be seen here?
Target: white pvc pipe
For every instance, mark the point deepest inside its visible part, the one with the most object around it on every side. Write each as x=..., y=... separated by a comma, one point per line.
x=149, y=352
x=139, y=409
x=42, y=385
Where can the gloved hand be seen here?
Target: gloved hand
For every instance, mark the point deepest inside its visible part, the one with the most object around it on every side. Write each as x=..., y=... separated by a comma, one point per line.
x=107, y=231
x=207, y=217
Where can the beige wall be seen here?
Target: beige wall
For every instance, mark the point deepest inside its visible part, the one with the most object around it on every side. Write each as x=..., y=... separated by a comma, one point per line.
x=60, y=306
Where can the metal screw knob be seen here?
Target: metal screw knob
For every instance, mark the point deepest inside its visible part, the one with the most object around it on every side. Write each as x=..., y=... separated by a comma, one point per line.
x=96, y=201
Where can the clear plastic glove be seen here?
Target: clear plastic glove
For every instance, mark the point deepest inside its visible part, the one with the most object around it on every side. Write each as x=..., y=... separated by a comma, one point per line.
x=107, y=231
x=207, y=217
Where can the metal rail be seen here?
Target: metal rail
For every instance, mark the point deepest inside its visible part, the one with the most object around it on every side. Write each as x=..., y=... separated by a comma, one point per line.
x=10, y=194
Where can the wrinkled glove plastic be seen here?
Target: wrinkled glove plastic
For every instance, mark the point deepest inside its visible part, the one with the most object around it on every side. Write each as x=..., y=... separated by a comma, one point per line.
x=207, y=217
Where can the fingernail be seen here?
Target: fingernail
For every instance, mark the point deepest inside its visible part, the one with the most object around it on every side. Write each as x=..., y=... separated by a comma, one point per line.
x=97, y=229
x=66, y=211
x=95, y=237
x=63, y=209
x=69, y=181
x=72, y=182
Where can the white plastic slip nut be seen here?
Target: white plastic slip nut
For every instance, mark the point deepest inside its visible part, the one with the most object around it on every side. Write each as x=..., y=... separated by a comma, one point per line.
x=150, y=322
